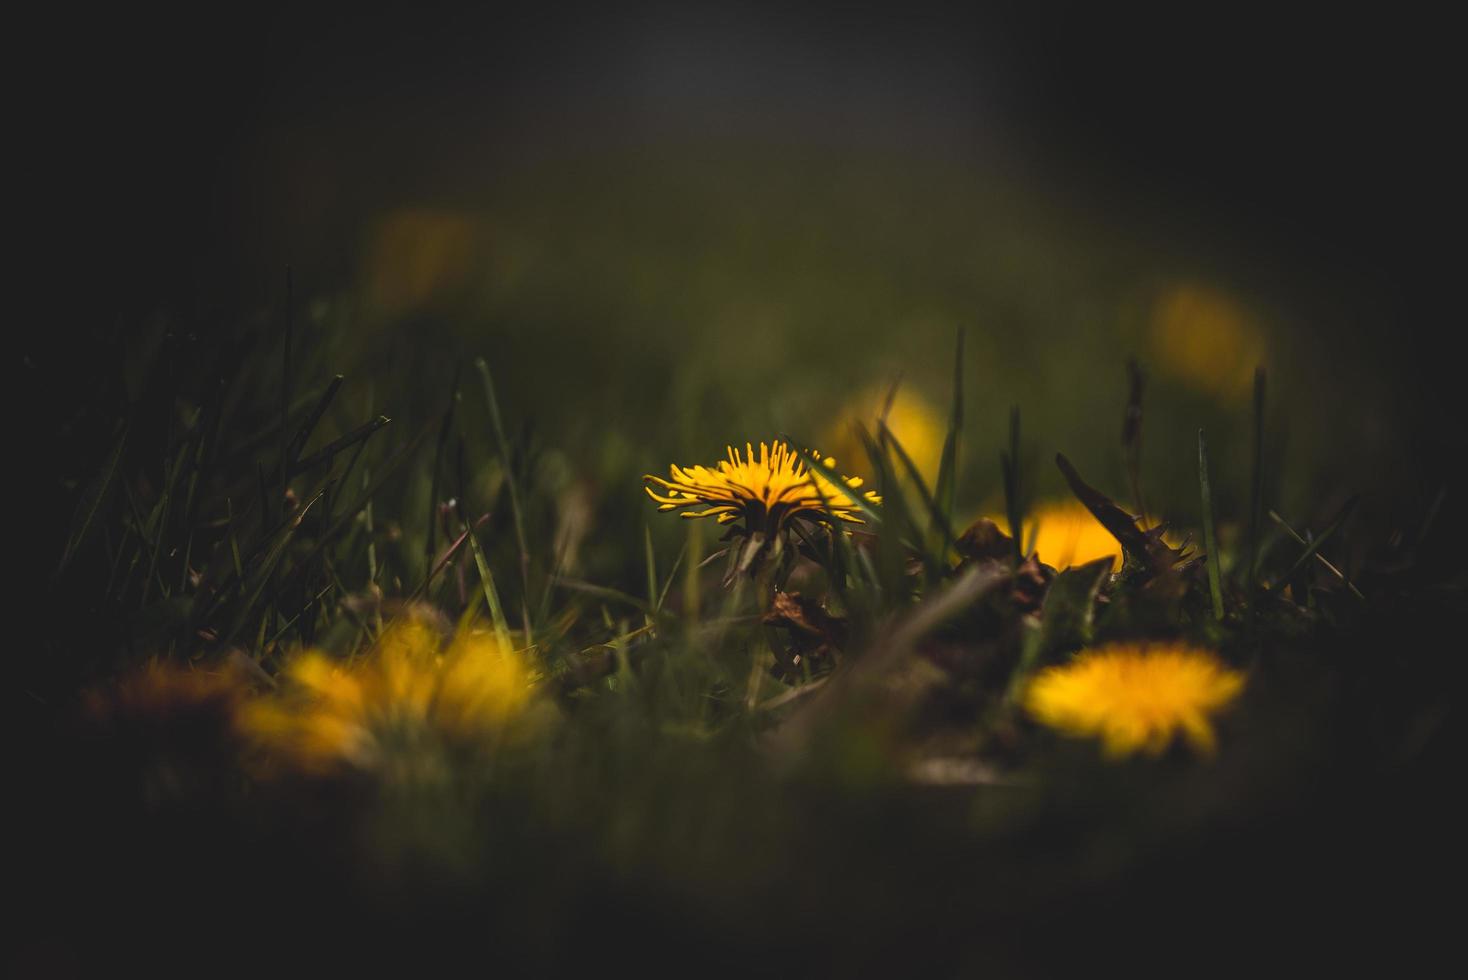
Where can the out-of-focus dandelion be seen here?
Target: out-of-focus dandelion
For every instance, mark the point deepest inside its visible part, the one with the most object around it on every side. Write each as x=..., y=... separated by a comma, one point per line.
x=1206, y=338
x=912, y=420
x=761, y=491
x=1066, y=534
x=399, y=706
x=1135, y=697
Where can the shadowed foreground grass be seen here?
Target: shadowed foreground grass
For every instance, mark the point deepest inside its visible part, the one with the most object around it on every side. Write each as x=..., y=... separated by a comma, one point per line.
x=328, y=684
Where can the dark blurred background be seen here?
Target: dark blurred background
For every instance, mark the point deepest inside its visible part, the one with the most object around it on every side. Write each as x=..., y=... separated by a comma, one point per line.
x=202, y=153
x=646, y=187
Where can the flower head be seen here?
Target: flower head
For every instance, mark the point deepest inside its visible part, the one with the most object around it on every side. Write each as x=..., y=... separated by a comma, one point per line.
x=1066, y=534
x=1135, y=697
x=401, y=703
x=911, y=419
x=761, y=490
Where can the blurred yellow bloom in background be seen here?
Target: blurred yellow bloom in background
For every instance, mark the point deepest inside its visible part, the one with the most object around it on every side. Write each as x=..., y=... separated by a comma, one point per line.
x=1066, y=534
x=1206, y=338
x=762, y=490
x=1135, y=697
x=409, y=695
x=913, y=421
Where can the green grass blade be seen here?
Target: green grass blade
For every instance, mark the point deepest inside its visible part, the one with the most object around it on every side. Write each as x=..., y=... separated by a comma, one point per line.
x=234, y=540
x=1210, y=538
x=604, y=592
x=329, y=452
x=939, y=519
x=285, y=391
x=1131, y=435
x=261, y=576
x=1013, y=507
x=945, y=489
x=431, y=538
x=1314, y=546
x=1066, y=622
x=303, y=434
x=93, y=501
x=505, y=460
x=891, y=561
x=657, y=606
x=1256, y=484
x=491, y=593
x=867, y=509
x=650, y=562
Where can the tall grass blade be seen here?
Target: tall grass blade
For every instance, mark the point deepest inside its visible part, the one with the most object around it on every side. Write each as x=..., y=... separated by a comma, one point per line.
x=937, y=514
x=945, y=489
x=92, y=502
x=868, y=510
x=1256, y=484
x=318, y=411
x=507, y=461
x=1013, y=506
x=491, y=593
x=327, y=453
x=1313, y=546
x=1210, y=538
x=431, y=539
x=1131, y=435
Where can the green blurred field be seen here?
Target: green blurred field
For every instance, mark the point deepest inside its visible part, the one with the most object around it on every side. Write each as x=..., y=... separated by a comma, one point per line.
x=645, y=311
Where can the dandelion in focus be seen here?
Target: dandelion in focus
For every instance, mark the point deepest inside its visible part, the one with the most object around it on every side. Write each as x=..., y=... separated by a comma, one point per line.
x=760, y=491
x=1135, y=697
x=401, y=706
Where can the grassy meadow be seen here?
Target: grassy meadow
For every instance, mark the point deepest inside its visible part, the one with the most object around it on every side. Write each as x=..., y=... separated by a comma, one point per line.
x=369, y=643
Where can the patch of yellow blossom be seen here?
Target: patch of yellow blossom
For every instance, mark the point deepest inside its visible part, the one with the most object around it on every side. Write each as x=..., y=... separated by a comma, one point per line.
x=410, y=694
x=1136, y=697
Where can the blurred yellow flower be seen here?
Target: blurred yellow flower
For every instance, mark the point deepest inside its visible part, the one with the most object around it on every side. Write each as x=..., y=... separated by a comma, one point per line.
x=919, y=427
x=1205, y=337
x=762, y=490
x=1067, y=534
x=405, y=694
x=1135, y=697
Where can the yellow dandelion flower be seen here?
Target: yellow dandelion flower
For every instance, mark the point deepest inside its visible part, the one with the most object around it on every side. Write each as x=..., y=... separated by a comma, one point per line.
x=1066, y=534
x=762, y=490
x=1135, y=697
x=919, y=427
x=406, y=692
